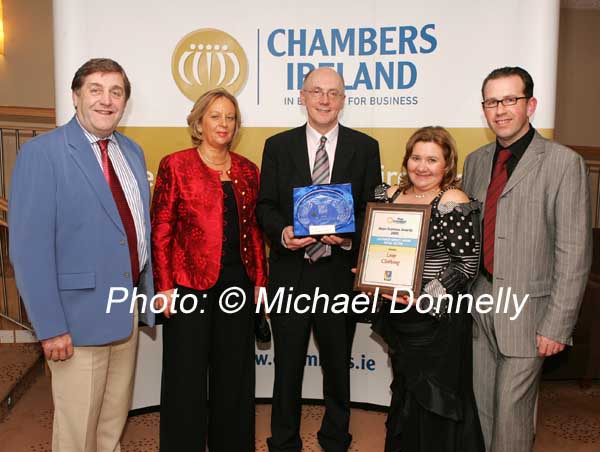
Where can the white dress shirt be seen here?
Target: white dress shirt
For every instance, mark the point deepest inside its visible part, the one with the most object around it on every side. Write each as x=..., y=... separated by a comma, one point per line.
x=129, y=185
x=313, y=140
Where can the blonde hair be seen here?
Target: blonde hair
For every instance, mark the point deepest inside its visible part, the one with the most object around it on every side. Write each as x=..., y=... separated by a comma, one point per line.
x=200, y=108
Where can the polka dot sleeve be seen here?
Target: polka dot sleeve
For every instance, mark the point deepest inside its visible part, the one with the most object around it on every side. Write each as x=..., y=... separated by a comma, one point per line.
x=459, y=233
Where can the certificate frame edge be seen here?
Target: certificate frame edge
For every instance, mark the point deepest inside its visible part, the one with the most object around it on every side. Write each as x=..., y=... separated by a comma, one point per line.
x=423, y=236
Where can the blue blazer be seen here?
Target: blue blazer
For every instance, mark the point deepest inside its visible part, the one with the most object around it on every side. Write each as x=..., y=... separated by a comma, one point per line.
x=67, y=243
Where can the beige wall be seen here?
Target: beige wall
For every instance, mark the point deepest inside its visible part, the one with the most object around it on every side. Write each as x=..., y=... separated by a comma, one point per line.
x=578, y=90
x=27, y=66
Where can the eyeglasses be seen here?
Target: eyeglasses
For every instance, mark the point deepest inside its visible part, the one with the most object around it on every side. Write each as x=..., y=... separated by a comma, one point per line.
x=318, y=92
x=507, y=101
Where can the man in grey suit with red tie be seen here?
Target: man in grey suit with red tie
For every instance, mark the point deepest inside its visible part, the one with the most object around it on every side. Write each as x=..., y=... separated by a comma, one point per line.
x=322, y=151
x=79, y=225
x=537, y=242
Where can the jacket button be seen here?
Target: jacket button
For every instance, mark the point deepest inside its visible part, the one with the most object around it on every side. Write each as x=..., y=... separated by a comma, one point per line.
x=244, y=207
x=126, y=274
x=122, y=242
x=246, y=261
x=243, y=193
x=244, y=236
x=244, y=220
x=245, y=249
x=235, y=181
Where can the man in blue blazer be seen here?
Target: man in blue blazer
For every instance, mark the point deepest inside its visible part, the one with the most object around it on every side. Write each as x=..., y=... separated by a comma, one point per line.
x=79, y=226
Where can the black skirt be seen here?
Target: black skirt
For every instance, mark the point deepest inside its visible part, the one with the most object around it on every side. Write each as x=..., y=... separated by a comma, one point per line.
x=433, y=406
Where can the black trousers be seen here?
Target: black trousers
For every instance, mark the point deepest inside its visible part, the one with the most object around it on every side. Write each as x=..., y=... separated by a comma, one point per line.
x=291, y=333
x=219, y=346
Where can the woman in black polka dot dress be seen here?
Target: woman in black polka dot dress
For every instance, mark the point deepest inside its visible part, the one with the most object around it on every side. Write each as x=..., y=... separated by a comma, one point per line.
x=433, y=407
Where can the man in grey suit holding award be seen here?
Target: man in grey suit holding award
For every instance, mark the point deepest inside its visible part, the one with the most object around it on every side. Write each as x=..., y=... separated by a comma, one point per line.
x=536, y=235
x=320, y=152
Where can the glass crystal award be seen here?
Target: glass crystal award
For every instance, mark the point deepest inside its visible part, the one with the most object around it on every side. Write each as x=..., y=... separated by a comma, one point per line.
x=323, y=209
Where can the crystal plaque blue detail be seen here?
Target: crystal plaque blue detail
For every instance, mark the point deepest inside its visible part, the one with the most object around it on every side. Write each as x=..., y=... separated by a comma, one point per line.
x=323, y=209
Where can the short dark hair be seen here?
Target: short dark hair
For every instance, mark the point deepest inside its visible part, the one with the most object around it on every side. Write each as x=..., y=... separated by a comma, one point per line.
x=103, y=65
x=508, y=71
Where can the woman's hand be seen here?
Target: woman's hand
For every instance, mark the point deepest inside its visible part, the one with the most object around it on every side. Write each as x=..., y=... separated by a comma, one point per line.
x=160, y=303
x=256, y=294
x=402, y=299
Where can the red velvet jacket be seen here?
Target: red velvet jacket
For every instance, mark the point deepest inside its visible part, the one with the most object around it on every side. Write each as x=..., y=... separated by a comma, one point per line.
x=187, y=221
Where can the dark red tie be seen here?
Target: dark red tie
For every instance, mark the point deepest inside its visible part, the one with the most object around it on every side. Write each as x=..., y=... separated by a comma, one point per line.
x=123, y=207
x=497, y=184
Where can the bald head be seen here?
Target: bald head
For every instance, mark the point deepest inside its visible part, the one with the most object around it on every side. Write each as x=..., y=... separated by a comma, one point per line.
x=323, y=96
x=324, y=71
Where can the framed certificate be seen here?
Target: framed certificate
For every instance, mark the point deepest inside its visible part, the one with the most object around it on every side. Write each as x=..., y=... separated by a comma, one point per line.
x=392, y=248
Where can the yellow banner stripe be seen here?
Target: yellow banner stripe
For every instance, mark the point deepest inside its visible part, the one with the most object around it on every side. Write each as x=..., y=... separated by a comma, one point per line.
x=160, y=141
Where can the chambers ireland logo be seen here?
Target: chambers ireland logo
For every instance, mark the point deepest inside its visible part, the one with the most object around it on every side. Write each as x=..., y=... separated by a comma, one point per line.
x=208, y=58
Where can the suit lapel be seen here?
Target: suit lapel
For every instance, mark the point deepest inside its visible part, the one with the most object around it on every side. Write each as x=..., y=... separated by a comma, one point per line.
x=344, y=151
x=528, y=161
x=84, y=157
x=299, y=154
x=485, y=173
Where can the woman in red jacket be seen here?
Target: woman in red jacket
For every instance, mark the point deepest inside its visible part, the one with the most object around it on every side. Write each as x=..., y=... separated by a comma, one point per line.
x=206, y=245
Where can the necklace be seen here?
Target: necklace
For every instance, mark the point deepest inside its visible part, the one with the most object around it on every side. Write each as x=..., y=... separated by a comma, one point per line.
x=225, y=162
x=207, y=160
x=424, y=194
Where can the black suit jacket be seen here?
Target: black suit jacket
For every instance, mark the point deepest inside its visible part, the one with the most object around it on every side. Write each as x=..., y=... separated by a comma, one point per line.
x=285, y=165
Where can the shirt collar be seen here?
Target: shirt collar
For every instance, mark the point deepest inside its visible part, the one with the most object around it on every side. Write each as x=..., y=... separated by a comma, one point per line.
x=316, y=136
x=93, y=138
x=518, y=148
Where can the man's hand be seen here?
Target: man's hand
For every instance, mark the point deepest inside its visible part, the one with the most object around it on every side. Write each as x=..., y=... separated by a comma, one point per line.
x=58, y=348
x=548, y=347
x=159, y=302
x=335, y=240
x=293, y=243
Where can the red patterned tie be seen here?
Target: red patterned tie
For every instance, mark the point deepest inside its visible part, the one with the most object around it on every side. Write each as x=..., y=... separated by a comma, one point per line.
x=123, y=207
x=497, y=184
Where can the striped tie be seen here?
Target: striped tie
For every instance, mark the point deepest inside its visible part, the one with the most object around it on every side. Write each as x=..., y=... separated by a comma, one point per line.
x=497, y=184
x=320, y=175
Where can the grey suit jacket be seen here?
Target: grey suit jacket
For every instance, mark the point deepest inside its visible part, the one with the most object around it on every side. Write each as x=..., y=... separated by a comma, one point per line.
x=543, y=243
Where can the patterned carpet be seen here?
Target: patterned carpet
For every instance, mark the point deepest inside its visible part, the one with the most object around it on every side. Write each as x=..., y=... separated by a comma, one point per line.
x=20, y=366
x=569, y=420
x=15, y=360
